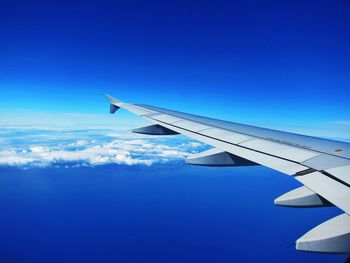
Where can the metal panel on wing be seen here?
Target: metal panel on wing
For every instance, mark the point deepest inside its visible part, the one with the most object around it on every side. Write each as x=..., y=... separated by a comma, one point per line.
x=225, y=135
x=281, y=150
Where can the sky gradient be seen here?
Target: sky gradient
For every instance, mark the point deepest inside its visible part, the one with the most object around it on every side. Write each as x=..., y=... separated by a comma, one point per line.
x=280, y=64
x=77, y=186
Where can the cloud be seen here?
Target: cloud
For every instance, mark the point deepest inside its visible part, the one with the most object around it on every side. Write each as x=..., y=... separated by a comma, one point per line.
x=343, y=123
x=22, y=119
x=91, y=148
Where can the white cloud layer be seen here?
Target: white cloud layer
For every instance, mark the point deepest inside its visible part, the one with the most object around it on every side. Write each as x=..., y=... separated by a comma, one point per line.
x=91, y=148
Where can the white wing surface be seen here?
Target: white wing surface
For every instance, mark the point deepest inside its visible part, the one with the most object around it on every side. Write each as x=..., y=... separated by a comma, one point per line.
x=322, y=166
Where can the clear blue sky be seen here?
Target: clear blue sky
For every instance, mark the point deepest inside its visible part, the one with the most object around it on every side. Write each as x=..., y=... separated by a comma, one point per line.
x=263, y=62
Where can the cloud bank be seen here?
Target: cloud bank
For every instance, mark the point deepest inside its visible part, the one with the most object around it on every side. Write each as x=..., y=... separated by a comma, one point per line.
x=90, y=148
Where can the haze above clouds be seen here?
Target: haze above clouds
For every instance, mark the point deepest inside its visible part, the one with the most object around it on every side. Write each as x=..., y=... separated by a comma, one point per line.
x=36, y=139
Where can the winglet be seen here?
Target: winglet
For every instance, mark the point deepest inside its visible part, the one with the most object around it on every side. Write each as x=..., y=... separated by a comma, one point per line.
x=113, y=103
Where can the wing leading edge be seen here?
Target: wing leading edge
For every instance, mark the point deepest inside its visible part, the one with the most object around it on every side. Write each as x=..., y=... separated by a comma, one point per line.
x=323, y=166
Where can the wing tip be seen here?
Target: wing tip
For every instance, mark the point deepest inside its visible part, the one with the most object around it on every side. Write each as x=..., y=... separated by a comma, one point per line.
x=111, y=99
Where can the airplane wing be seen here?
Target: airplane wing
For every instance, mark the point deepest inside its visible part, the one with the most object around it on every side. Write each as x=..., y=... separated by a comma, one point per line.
x=322, y=166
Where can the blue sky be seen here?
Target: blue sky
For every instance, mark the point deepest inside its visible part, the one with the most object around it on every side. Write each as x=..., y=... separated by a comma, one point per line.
x=89, y=190
x=280, y=64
